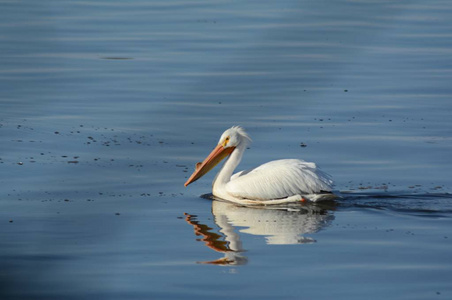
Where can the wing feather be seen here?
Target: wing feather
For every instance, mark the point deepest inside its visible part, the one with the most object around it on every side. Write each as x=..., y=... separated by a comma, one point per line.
x=279, y=179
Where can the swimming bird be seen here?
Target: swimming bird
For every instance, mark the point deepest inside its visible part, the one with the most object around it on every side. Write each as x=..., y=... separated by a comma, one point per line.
x=275, y=182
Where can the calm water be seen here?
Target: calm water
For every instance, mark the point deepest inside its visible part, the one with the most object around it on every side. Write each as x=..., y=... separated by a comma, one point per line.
x=105, y=107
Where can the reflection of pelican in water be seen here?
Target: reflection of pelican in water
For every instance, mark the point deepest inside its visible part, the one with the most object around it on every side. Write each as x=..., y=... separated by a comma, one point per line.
x=278, y=225
x=228, y=242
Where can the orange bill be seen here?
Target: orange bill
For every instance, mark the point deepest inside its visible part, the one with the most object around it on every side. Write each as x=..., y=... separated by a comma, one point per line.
x=217, y=155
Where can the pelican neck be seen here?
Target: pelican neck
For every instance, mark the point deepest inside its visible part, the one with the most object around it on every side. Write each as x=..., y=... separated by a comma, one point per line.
x=224, y=176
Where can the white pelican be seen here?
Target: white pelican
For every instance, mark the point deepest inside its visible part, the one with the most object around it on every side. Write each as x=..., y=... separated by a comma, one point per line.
x=276, y=182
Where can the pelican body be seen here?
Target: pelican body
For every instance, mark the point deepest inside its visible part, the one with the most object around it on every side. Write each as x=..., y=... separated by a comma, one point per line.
x=275, y=182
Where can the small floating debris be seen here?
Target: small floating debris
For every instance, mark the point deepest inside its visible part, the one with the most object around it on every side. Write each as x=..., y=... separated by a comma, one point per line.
x=73, y=162
x=117, y=58
x=20, y=163
x=365, y=187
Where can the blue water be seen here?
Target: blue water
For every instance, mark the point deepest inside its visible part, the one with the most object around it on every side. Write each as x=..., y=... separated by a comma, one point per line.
x=105, y=107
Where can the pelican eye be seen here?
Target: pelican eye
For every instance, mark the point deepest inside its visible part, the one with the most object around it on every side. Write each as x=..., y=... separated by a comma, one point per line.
x=226, y=140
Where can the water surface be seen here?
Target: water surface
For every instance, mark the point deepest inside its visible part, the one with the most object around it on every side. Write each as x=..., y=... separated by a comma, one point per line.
x=105, y=107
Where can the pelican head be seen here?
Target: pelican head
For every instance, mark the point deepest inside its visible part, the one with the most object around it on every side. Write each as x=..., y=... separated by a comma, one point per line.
x=234, y=136
x=229, y=140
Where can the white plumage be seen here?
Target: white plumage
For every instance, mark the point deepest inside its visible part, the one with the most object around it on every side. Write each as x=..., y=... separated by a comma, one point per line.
x=279, y=181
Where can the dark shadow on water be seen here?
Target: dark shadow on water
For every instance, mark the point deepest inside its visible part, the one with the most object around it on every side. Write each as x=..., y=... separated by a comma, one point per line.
x=419, y=204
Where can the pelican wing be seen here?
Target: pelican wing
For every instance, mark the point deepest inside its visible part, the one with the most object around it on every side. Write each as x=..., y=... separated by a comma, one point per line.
x=279, y=179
